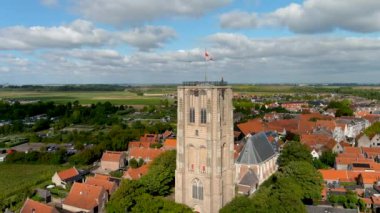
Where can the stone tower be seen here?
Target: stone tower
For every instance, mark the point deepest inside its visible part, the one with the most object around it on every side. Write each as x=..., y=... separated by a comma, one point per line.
x=205, y=149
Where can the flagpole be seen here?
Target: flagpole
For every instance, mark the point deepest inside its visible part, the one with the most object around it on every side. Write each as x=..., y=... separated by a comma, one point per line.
x=206, y=65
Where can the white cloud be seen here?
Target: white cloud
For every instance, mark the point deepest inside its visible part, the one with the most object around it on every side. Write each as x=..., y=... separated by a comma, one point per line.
x=238, y=20
x=316, y=16
x=81, y=33
x=238, y=58
x=148, y=37
x=131, y=12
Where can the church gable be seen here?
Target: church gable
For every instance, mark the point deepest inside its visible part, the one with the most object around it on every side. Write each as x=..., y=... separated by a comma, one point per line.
x=256, y=150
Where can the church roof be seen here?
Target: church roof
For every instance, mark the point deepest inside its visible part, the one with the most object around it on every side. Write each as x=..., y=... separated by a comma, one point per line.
x=249, y=179
x=256, y=150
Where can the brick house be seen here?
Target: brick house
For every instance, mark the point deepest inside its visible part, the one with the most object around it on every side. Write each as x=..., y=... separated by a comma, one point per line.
x=112, y=160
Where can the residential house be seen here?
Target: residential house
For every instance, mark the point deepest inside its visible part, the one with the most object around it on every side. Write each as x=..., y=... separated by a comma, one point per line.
x=152, y=138
x=366, y=141
x=104, y=181
x=31, y=206
x=294, y=106
x=319, y=143
x=137, y=173
x=85, y=198
x=66, y=177
x=256, y=162
x=147, y=154
x=112, y=160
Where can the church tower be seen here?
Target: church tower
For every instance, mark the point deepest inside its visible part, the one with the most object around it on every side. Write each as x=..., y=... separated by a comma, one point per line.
x=205, y=149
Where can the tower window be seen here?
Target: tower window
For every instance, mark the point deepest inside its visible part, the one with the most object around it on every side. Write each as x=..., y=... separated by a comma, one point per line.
x=203, y=116
x=192, y=115
x=197, y=189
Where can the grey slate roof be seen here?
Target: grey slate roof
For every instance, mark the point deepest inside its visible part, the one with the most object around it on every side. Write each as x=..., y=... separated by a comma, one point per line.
x=249, y=179
x=256, y=150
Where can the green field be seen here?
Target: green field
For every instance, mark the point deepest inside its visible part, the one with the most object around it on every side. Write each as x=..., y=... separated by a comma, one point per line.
x=115, y=97
x=17, y=181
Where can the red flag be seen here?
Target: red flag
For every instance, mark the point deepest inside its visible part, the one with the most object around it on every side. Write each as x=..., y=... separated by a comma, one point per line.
x=208, y=57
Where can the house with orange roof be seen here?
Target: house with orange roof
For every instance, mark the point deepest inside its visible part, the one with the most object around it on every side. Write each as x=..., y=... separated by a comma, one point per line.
x=170, y=143
x=151, y=138
x=31, y=206
x=319, y=143
x=112, y=160
x=167, y=134
x=98, y=180
x=368, y=179
x=66, y=177
x=134, y=144
x=136, y=173
x=331, y=176
x=85, y=198
x=294, y=106
x=251, y=127
x=147, y=154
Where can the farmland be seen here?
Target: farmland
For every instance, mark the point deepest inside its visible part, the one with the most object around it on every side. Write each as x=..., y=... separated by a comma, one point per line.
x=84, y=97
x=17, y=181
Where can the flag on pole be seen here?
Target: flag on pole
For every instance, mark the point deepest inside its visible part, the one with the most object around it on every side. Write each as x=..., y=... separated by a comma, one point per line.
x=208, y=57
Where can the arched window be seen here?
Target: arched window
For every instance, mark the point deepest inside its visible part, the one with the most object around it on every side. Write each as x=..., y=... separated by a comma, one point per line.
x=192, y=115
x=203, y=116
x=197, y=189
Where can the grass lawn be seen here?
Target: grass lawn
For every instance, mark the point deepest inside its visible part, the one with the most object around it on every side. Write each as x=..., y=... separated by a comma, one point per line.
x=123, y=97
x=17, y=181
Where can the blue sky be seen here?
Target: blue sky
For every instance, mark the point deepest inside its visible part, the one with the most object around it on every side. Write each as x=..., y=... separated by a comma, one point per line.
x=163, y=41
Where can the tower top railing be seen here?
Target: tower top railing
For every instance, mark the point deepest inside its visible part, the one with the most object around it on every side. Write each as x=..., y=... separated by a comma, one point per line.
x=205, y=83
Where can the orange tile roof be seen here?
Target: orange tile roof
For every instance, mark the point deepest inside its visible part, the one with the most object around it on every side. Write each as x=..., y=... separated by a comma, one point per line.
x=279, y=125
x=144, y=153
x=149, y=138
x=139, y=144
x=110, y=186
x=370, y=177
x=316, y=141
x=68, y=173
x=352, y=150
x=170, y=143
x=328, y=124
x=305, y=126
x=346, y=161
x=84, y=196
x=102, y=176
x=136, y=173
x=38, y=207
x=251, y=126
x=166, y=134
x=341, y=175
x=112, y=156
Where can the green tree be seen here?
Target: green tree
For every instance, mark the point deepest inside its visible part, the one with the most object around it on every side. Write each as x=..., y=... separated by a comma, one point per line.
x=133, y=163
x=307, y=177
x=160, y=177
x=294, y=151
x=328, y=158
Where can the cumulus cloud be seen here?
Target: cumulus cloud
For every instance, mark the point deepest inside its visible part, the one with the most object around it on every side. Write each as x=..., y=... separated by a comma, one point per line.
x=238, y=20
x=238, y=58
x=317, y=16
x=81, y=33
x=148, y=37
x=121, y=12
